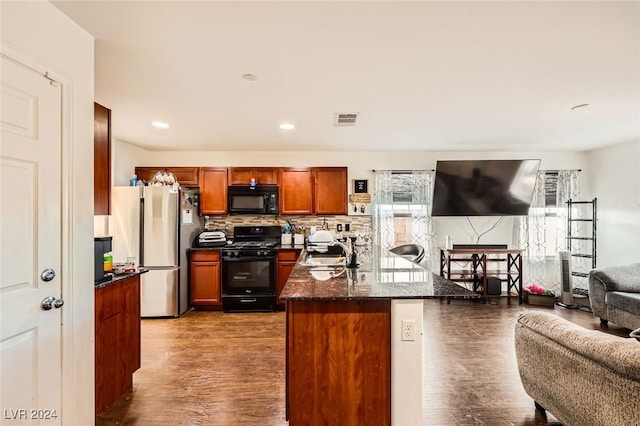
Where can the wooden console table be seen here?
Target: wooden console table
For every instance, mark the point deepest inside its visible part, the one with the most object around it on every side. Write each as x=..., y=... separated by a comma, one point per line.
x=479, y=259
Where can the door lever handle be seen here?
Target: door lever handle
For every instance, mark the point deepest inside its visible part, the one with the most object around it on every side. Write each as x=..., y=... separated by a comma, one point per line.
x=50, y=302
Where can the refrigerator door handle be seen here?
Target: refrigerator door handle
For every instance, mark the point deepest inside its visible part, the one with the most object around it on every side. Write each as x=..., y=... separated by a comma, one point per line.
x=141, y=261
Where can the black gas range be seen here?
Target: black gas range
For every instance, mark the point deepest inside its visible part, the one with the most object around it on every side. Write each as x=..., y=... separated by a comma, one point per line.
x=249, y=248
x=249, y=269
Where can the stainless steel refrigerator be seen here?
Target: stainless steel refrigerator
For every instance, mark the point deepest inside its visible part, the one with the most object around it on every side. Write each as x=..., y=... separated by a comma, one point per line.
x=156, y=225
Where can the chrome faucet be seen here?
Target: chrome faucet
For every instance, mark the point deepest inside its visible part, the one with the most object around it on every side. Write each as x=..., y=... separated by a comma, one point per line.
x=348, y=251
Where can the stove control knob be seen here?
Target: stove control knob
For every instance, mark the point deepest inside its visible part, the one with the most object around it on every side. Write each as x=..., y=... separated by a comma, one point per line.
x=236, y=254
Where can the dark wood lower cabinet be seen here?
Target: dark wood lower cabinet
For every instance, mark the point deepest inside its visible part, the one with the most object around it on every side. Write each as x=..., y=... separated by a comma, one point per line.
x=117, y=340
x=287, y=259
x=339, y=362
x=204, y=279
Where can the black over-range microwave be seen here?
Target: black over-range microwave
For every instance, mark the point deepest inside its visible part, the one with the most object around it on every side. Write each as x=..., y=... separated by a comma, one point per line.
x=258, y=199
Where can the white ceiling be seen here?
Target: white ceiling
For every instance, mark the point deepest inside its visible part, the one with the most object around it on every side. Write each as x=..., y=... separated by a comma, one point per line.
x=423, y=75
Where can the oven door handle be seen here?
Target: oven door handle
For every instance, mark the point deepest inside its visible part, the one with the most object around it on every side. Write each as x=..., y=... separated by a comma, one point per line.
x=248, y=300
x=249, y=259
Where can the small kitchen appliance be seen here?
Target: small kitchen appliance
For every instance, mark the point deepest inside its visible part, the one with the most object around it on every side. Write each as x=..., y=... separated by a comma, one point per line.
x=211, y=238
x=101, y=246
x=249, y=269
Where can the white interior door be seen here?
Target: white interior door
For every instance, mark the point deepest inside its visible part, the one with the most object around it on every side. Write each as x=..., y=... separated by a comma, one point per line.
x=30, y=244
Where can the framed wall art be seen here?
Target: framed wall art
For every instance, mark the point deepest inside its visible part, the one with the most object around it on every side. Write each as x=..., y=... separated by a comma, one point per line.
x=360, y=186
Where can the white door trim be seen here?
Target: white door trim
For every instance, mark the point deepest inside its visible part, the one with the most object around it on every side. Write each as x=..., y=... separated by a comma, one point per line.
x=69, y=350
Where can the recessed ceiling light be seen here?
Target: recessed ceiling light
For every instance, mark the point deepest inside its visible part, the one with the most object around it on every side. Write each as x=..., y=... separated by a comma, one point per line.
x=160, y=124
x=575, y=107
x=249, y=77
x=287, y=126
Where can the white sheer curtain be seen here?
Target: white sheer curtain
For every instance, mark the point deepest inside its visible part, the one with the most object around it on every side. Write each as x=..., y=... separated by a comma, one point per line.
x=421, y=222
x=530, y=235
x=382, y=220
x=530, y=232
x=399, y=196
x=568, y=187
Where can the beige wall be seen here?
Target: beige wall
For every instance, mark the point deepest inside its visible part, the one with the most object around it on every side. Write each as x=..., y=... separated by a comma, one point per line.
x=615, y=181
x=360, y=164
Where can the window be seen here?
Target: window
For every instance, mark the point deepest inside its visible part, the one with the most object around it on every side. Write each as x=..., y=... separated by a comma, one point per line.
x=406, y=205
x=552, y=213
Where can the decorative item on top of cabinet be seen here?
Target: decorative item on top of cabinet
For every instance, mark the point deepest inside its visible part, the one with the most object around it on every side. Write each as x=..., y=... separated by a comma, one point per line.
x=186, y=176
x=204, y=279
x=330, y=190
x=101, y=160
x=213, y=191
x=296, y=190
x=287, y=259
x=260, y=175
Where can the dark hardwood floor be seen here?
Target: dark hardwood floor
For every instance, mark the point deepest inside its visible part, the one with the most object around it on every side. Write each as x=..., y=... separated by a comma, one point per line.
x=211, y=368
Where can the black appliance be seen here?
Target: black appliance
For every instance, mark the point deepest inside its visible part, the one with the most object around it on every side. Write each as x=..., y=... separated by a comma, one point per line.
x=249, y=269
x=101, y=245
x=257, y=199
x=484, y=187
x=494, y=286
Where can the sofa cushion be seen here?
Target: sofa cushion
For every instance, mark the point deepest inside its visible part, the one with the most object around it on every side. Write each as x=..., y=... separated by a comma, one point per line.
x=615, y=352
x=629, y=302
x=619, y=278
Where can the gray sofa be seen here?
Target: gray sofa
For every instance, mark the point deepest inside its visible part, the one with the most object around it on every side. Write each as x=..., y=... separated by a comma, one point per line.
x=583, y=377
x=614, y=294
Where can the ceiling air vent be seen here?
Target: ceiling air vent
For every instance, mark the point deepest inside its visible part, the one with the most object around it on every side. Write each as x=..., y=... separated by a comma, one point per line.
x=346, y=119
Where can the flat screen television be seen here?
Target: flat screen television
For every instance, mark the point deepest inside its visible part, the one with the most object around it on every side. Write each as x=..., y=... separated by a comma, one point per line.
x=484, y=187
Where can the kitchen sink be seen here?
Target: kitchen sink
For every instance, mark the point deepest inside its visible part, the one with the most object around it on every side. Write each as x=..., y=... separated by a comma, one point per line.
x=325, y=260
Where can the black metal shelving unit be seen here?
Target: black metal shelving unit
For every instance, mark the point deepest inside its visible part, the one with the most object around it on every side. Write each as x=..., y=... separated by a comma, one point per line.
x=572, y=237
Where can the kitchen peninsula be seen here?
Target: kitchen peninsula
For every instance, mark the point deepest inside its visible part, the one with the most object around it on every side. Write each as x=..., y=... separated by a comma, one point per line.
x=117, y=337
x=354, y=340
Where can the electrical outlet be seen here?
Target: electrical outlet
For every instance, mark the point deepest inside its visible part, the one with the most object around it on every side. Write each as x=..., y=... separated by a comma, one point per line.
x=339, y=227
x=408, y=330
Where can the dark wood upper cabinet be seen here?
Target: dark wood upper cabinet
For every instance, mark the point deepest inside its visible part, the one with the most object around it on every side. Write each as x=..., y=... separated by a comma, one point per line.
x=262, y=175
x=213, y=191
x=186, y=176
x=330, y=190
x=296, y=191
x=101, y=160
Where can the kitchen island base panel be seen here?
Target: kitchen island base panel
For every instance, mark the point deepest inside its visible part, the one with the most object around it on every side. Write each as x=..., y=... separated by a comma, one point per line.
x=339, y=362
x=406, y=366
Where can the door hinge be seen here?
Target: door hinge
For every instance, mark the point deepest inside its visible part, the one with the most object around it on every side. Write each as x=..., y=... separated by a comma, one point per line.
x=52, y=81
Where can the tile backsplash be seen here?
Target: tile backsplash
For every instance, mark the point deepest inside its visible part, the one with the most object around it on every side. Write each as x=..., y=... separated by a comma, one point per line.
x=358, y=224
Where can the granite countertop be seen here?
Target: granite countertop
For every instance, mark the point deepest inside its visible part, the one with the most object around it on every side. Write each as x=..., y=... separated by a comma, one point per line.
x=290, y=247
x=278, y=247
x=381, y=275
x=204, y=248
x=120, y=277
